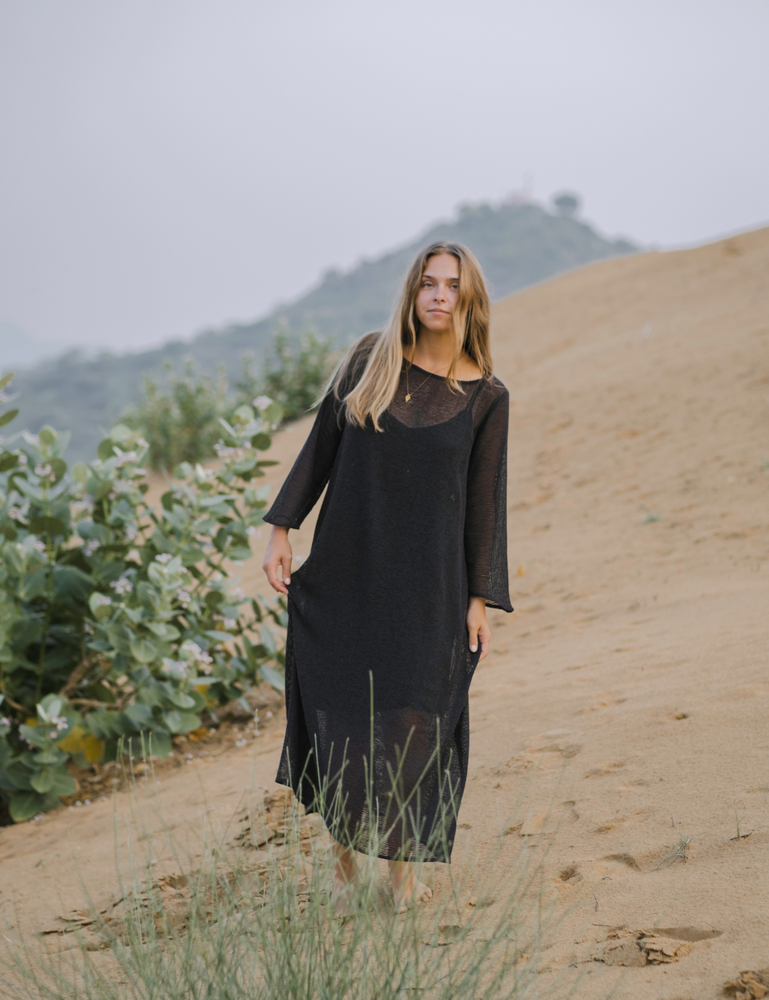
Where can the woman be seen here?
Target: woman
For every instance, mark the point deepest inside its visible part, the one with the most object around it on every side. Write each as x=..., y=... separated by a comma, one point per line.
x=387, y=614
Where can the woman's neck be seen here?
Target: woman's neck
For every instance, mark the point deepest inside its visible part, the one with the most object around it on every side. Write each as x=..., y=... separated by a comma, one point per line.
x=434, y=353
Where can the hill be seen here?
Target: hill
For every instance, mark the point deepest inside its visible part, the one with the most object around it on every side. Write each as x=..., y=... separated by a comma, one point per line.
x=517, y=244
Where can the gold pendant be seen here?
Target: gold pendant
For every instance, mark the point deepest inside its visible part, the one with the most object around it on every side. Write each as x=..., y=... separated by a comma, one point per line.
x=408, y=396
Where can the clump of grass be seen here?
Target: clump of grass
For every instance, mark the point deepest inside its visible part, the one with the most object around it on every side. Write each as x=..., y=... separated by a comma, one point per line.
x=248, y=918
x=679, y=853
x=651, y=517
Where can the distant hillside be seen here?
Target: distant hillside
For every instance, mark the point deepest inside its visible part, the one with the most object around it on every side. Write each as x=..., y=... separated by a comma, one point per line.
x=517, y=245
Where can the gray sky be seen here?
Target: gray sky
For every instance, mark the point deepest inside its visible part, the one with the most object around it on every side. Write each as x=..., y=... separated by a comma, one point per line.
x=172, y=164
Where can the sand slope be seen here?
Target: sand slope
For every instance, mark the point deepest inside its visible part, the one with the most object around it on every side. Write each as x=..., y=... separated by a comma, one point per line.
x=625, y=703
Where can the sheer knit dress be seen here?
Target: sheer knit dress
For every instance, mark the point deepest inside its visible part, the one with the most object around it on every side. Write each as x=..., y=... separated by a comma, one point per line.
x=378, y=662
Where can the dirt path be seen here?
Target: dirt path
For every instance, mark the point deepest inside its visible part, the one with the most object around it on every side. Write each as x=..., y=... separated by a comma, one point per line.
x=625, y=704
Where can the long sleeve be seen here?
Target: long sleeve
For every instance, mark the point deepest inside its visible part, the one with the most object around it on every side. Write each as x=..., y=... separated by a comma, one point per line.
x=486, y=514
x=311, y=470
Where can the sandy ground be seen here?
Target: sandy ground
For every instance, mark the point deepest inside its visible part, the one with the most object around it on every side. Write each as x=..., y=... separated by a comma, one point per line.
x=624, y=705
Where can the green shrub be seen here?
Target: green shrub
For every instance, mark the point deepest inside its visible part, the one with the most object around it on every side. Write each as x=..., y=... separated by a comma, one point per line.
x=180, y=420
x=119, y=624
x=296, y=372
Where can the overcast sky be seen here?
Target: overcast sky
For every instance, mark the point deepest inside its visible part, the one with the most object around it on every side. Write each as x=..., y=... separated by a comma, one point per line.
x=167, y=165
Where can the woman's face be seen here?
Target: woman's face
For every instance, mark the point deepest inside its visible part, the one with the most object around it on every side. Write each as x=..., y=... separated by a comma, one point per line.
x=438, y=293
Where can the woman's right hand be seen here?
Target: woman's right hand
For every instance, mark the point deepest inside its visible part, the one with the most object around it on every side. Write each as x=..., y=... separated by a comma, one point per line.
x=277, y=560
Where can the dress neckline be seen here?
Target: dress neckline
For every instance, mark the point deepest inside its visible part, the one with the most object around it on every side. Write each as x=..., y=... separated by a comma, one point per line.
x=462, y=381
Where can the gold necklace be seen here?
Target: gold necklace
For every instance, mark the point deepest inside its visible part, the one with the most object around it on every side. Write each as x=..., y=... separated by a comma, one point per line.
x=410, y=394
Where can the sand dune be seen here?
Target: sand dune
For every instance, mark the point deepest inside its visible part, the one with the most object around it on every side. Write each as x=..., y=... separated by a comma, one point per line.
x=625, y=703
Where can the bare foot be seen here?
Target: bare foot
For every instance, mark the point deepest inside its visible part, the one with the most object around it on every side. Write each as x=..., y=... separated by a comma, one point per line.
x=407, y=889
x=344, y=881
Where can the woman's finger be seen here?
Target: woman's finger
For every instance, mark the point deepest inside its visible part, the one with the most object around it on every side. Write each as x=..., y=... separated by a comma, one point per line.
x=473, y=631
x=286, y=562
x=273, y=578
x=485, y=638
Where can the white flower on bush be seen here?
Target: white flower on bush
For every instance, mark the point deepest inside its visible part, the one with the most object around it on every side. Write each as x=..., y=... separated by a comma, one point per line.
x=262, y=402
x=122, y=486
x=238, y=593
x=59, y=722
x=223, y=451
x=183, y=597
x=44, y=471
x=229, y=624
x=5, y=721
x=164, y=558
x=16, y=514
x=22, y=459
x=91, y=546
x=122, y=586
x=125, y=458
x=88, y=628
x=177, y=669
x=40, y=546
x=131, y=531
x=82, y=505
x=97, y=600
x=194, y=652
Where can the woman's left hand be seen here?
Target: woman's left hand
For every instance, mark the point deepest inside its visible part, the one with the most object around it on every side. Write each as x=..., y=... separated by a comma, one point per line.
x=478, y=627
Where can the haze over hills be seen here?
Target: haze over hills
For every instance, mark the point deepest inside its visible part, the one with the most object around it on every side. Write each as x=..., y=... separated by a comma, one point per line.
x=517, y=245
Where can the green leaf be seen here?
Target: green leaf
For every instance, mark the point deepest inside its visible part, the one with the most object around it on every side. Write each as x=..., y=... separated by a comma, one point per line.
x=71, y=585
x=52, y=756
x=140, y=716
x=8, y=460
x=6, y=418
x=15, y=777
x=143, y=650
x=53, y=781
x=47, y=436
x=217, y=636
x=191, y=555
x=273, y=677
x=34, y=735
x=261, y=441
x=105, y=450
x=102, y=723
x=264, y=462
x=181, y=722
x=120, y=433
x=273, y=414
x=79, y=473
x=183, y=471
x=239, y=553
x=164, y=631
x=47, y=525
x=49, y=707
x=120, y=637
x=6, y=379
x=59, y=467
x=268, y=639
x=181, y=700
x=24, y=806
x=156, y=743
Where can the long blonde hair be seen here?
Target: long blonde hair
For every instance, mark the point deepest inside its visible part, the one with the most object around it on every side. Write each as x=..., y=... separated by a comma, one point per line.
x=374, y=390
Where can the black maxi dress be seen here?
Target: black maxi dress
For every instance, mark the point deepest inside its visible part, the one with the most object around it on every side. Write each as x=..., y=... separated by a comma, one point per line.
x=378, y=662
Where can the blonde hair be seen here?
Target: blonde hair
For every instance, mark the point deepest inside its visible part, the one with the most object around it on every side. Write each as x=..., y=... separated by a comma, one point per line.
x=373, y=392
